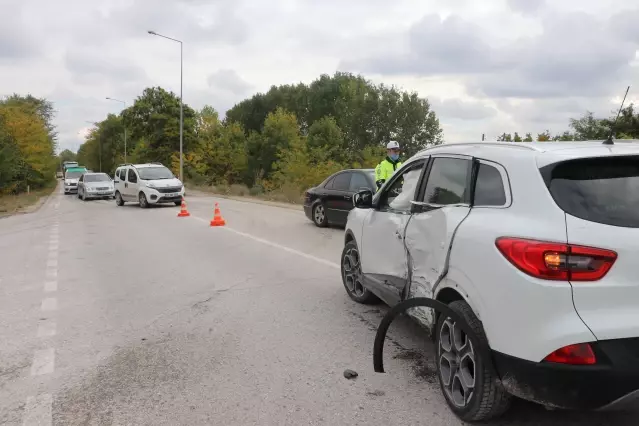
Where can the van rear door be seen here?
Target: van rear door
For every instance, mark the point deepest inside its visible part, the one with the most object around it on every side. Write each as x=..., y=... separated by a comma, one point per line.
x=600, y=197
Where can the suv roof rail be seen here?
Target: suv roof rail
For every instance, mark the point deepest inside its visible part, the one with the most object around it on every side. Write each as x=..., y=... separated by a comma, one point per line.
x=156, y=162
x=125, y=164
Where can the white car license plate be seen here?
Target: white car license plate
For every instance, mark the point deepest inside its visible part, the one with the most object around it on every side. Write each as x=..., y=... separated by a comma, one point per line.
x=104, y=192
x=173, y=194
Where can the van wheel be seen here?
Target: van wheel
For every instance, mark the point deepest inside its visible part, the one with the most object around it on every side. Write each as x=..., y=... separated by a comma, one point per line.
x=352, y=276
x=473, y=392
x=118, y=199
x=143, y=202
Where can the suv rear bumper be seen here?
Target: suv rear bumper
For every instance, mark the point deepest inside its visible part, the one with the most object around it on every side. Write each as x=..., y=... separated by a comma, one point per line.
x=613, y=383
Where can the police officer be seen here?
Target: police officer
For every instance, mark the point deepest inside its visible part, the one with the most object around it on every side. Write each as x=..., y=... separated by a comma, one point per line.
x=387, y=167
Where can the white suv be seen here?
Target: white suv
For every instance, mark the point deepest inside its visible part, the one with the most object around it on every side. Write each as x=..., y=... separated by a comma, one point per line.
x=147, y=184
x=534, y=245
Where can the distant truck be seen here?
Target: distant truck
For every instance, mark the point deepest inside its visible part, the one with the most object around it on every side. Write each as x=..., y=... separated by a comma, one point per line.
x=68, y=164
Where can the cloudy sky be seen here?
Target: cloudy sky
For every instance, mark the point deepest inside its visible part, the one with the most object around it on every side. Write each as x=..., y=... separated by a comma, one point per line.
x=487, y=66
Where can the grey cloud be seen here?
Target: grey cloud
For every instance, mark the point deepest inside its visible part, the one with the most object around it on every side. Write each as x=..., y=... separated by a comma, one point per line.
x=464, y=110
x=88, y=65
x=16, y=40
x=191, y=22
x=228, y=80
x=575, y=54
x=435, y=46
x=526, y=6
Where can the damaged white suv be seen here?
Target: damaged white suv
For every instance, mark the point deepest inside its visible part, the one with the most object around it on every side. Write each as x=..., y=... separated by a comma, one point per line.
x=535, y=246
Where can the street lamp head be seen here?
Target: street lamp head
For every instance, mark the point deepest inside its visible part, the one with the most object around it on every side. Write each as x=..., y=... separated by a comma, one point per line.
x=152, y=32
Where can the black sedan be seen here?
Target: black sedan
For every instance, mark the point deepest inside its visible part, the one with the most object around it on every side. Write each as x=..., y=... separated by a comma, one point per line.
x=330, y=201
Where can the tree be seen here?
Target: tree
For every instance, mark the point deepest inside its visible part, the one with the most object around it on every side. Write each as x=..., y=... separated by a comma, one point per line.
x=26, y=142
x=544, y=136
x=589, y=128
x=528, y=137
x=219, y=154
x=366, y=114
x=155, y=118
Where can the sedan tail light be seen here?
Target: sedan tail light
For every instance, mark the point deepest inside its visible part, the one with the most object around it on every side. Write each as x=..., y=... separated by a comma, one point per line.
x=555, y=261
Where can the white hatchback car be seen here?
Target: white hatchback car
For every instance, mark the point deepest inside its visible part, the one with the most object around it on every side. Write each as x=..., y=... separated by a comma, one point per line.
x=534, y=245
x=147, y=184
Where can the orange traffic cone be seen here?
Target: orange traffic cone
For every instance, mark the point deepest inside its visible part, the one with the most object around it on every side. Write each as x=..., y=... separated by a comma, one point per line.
x=183, y=211
x=217, y=220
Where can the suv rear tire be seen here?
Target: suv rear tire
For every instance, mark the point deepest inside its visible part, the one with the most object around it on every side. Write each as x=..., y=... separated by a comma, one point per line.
x=352, y=276
x=488, y=399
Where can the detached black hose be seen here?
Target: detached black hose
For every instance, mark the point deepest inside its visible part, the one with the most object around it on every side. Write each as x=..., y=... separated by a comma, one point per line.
x=439, y=307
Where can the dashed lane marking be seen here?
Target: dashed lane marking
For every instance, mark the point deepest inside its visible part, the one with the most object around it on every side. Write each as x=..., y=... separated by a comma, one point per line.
x=43, y=362
x=49, y=304
x=50, y=286
x=46, y=328
x=275, y=245
x=37, y=412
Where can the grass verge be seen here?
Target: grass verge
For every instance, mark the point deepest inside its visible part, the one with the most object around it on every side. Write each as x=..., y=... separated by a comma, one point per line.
x=291, y=197
x=23, y=203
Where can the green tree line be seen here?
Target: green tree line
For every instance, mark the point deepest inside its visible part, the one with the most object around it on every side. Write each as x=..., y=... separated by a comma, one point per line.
x=287, y=139
x=27, y=144
x=587, y=127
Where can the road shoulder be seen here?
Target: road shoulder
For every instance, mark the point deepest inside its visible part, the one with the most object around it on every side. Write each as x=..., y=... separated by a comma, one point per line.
x=246, y=199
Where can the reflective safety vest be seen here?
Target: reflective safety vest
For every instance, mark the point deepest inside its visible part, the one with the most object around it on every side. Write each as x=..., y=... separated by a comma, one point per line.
x=385, y=170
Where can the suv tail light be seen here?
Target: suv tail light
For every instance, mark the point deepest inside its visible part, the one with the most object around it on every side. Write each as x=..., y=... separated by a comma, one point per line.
x=579, y=354
x=554, y=261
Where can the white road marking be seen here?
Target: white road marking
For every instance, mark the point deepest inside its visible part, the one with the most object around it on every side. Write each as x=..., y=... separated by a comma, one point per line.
x=46, y=328
x=52, y=263
x=52, y=273
x=278, y=246
x=43, y=362
x=37, y=412
x=49, y=304
x=53, y=247
x=50, y=286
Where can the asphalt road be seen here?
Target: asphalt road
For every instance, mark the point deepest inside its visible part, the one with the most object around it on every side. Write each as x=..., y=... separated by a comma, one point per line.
x=122, y=316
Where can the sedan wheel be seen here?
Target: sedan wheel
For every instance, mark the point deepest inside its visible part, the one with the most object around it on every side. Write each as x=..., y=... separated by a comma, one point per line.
x=319, y=215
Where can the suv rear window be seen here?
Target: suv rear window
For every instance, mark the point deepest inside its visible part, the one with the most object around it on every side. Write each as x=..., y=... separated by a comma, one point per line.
x=601, y=190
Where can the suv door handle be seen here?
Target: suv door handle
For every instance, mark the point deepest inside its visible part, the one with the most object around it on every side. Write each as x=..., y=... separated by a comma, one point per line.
x=126, y=185
x=347, y=197
x=399, y=235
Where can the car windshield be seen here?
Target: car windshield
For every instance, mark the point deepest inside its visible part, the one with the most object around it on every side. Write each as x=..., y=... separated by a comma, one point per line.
x=154, y=173
x=73, y=175
x=98, y=177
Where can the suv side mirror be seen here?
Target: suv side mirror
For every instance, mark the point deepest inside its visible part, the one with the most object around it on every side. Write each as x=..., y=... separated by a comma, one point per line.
x=363, y=199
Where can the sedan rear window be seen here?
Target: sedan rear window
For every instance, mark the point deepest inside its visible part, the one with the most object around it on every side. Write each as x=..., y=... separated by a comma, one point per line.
x=601, y=190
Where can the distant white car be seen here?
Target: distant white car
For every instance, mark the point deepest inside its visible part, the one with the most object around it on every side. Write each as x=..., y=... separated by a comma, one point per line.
x=95, y=185
x=535, y=246
x=147, y=184
x=71, y=179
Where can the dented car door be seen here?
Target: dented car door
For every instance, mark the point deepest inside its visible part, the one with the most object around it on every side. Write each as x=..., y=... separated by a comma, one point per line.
x=443, y=204
x=385, y=267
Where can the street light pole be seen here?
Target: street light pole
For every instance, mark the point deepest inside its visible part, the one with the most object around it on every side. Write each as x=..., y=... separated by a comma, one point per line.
x=124, y=103
x=99, y=142
x=181, y=102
